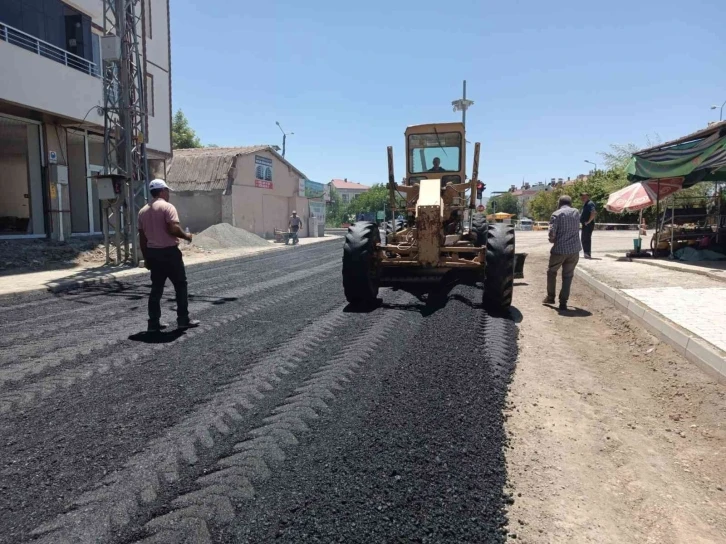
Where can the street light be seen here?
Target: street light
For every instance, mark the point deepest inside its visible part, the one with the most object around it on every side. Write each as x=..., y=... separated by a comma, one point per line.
x=720, y=117
x=590, y=162
x=284, y=137
x=462, y=104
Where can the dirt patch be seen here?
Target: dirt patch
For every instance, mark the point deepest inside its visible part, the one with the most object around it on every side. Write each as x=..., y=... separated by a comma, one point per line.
x=21, y=256
x=615, y=437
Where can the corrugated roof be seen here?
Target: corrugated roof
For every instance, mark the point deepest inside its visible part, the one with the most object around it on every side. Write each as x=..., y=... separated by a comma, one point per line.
x=344, y=184
x=209, y=168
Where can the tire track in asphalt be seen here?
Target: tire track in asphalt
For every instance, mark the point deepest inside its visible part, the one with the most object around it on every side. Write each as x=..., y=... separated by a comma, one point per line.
x=44, y=388
x=96, y=515
x=220, y=493
x=131, y=290
x=89, y=342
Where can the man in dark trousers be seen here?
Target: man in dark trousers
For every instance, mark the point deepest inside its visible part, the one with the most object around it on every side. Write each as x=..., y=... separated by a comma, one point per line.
x=159, y=234
x=587, y=219
x=564, y=235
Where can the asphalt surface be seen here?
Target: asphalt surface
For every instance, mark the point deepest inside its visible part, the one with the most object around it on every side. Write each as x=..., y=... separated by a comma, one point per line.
x=285, y=417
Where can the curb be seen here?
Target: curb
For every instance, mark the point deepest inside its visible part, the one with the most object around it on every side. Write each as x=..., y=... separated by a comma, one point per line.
x=706, y=273
x=705, y=356
x=62, y=286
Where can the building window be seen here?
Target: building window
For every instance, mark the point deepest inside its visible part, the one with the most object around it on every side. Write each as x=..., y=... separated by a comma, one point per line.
x=150, y=94
x=345, y=197
x=147, y=18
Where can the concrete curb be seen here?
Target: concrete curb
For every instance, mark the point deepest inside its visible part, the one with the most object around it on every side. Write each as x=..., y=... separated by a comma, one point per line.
x=697, y=350
x=700, y=272
x=68, y=285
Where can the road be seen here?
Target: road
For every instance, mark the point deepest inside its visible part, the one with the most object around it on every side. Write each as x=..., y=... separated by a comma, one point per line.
x=285, y=416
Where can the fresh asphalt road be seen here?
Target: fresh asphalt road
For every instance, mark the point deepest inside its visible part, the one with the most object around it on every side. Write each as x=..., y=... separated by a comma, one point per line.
x=285, y=417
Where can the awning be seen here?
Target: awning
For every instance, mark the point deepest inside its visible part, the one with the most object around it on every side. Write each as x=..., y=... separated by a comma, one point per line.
x=700, y=156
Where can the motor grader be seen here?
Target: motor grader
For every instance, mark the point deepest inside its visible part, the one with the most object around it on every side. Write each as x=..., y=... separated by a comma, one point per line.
x=440, y=236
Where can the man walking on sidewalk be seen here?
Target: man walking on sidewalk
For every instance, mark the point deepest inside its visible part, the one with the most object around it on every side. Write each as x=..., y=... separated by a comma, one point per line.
x=587, y=219
x=159, y=234
x=564, y=234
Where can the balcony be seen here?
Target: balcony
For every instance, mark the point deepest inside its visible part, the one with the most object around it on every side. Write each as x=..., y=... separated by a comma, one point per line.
x=44, y=49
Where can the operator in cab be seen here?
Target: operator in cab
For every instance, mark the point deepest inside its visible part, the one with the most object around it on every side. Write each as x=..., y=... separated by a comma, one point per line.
x=437, y=166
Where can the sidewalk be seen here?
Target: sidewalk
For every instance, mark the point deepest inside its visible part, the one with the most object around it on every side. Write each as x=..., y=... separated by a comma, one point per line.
x=685, y=309
x=57, y=281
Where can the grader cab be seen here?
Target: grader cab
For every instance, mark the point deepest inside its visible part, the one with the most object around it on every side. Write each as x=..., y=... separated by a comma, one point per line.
x=440, y=234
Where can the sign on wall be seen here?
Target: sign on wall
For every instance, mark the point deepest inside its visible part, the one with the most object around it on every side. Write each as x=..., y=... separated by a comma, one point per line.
x=301, y=187
x=313, y=189
x=263, y=172
x=317, y=210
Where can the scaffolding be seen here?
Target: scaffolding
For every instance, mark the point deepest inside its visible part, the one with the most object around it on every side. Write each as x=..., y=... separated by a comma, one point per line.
x=124, y=121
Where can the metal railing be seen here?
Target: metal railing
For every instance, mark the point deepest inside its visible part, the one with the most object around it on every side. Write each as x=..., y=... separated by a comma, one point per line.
x=44, y=49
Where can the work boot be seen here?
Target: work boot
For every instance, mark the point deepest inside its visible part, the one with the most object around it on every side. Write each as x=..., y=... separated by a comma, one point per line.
x=186, y=323
x=563, y=306
x=156, y=326
x=548, y=300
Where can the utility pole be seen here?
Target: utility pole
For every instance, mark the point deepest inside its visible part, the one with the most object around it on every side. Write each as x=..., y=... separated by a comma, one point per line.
x=462, y=104
x=124, y=124
x=284, y=137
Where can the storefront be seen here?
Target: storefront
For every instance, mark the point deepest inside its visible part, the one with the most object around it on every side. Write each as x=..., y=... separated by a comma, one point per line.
x=21, y=178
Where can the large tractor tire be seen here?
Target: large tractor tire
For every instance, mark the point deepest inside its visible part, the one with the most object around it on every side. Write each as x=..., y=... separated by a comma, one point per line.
x=480, y=229
x=400, y=225
x=360, y=267
x=499, y=282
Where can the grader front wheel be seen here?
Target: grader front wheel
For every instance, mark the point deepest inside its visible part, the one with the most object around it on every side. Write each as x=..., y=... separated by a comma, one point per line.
x=499, y=283
x=360, y=266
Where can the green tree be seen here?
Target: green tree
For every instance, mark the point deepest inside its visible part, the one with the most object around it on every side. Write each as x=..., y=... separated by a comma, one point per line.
x=336, y=210
x=504, y=203
x=182, y=135
x=373, y=200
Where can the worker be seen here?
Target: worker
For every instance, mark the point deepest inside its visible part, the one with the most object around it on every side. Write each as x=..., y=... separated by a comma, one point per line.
x=437, y=166
x=587, y=219
x=294, y=226
x=159, y=234
x=564, y=235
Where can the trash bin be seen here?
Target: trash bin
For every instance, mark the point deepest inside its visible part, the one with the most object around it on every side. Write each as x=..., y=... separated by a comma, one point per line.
x=636, y=245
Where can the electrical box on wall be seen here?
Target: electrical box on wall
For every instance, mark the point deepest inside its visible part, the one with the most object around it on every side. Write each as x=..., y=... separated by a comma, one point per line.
x=58, y=174
x=109, y=187
x=110, y=48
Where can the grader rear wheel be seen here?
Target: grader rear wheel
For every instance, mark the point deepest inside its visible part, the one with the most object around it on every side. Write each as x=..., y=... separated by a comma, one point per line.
x=499, y=283
x=360, y=266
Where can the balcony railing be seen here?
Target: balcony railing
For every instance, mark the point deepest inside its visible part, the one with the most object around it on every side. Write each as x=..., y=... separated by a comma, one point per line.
x=47, y=50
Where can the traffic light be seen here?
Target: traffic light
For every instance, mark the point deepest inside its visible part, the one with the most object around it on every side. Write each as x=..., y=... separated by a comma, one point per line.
x=479, y=190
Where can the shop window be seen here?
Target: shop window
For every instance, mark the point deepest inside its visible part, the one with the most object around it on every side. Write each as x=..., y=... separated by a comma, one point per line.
x=21, y=205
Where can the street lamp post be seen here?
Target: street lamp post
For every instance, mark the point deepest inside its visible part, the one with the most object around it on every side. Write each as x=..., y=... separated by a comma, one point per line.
x=590, y=162
x=462, y=104
x=284, y=137
x=720, y=117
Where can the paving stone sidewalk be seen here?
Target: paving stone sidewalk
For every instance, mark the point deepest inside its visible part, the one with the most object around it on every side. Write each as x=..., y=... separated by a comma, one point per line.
x=685, y=308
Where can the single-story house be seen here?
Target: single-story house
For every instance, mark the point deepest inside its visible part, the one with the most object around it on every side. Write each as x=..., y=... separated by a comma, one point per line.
x=348, y=190
x=252, y=188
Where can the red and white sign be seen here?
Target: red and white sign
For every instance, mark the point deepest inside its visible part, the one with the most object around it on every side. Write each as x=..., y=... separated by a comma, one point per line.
x=263, y=184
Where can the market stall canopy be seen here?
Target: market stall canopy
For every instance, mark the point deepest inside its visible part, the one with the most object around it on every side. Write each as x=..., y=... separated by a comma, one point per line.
x=641, y=195
x=700, y=156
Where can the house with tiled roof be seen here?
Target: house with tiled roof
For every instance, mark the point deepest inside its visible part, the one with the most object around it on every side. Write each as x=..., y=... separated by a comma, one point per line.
x=348, y=190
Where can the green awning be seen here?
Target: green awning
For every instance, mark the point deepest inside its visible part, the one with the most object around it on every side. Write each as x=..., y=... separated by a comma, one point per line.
x=700, y=156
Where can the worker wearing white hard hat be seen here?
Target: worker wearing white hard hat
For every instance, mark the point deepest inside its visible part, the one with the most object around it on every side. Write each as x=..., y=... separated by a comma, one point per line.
x=159, y=234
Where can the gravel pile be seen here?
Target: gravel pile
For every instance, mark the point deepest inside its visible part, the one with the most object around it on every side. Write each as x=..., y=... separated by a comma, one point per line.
x=225, y=236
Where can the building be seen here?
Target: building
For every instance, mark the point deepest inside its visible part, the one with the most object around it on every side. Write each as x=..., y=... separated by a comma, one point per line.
x=252, y=188
x=348, y=190
x=51, y=101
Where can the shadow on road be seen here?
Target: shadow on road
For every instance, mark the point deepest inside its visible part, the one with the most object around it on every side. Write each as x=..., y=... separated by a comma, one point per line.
x=571, y=312
x=164, y=337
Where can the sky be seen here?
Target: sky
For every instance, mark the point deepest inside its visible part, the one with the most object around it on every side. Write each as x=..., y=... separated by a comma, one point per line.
x=554, y=83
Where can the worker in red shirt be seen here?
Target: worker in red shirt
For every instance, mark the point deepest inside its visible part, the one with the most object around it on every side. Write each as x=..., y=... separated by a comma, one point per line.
x=159, y=234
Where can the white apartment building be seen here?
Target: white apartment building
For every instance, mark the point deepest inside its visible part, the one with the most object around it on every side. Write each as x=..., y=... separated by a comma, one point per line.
x=50, y=94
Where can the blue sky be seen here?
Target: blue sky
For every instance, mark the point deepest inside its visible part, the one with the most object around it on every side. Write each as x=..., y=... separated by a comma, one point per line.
x=554, y=82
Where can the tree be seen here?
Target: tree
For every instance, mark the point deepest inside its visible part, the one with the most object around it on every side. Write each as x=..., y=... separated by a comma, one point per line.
x=336, y=210
x=373, y=200
x=182, y=135
x=504, y=203
x=212, y=145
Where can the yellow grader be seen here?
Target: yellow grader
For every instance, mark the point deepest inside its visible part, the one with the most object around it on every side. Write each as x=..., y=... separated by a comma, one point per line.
x=440, y=235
